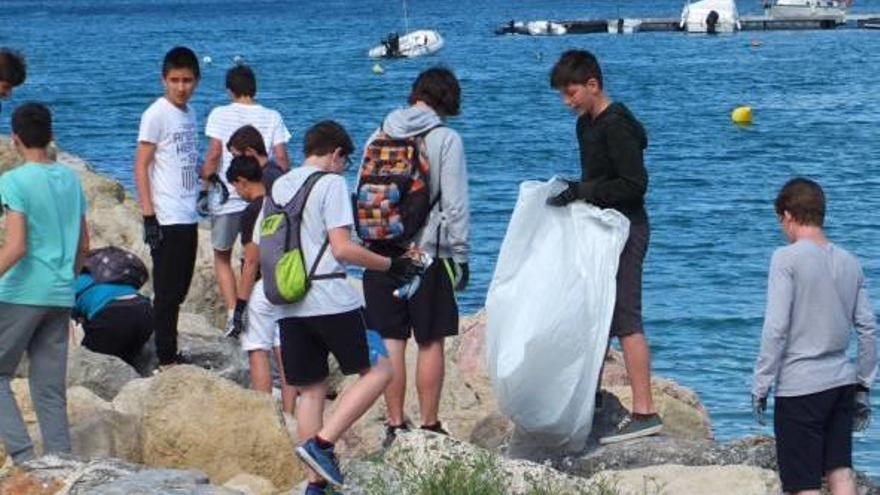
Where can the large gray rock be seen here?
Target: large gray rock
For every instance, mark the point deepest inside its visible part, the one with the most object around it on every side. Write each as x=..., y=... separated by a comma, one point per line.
x=103, y=374
x=216, y=354
x=63, y=474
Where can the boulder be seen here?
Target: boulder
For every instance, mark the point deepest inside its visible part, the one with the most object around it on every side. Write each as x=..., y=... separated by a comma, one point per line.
x=103, y=374
x=217, y=354
x=249, y=484
x=422, y=456
x=467, y=403
x=706, y=480
x=62, y=474
x=194, y=419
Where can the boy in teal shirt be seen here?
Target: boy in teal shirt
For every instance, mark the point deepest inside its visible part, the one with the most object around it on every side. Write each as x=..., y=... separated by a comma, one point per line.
x=44, y=243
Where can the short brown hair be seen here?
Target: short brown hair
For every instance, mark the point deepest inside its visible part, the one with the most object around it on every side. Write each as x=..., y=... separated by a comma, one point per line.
x=324, y=137
x=575, y=67
x=804, y=200
x=247, y=137
x=439, y=88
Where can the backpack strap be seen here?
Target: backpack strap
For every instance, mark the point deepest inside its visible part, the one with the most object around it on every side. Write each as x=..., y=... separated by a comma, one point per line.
x=309, y=184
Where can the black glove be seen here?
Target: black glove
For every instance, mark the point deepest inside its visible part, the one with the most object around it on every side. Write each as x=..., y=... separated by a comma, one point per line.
x=565, y=197
x=239, y=319
x=759, y=407
x=202, y=206
x=862, y=413
x=462, y=275
x=403, y=269
x=152, y=232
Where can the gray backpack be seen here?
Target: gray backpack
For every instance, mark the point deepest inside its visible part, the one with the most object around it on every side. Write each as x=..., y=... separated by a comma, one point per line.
x=282, y=261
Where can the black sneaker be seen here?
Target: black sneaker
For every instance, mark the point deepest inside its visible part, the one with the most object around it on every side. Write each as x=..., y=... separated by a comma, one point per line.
x=436, y=428
x=391, y=433
x=633, y=427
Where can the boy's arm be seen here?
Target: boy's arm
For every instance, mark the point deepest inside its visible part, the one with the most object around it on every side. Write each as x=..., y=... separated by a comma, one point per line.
x=143, y=158
x=15, y=241
x=777, y=321
x=83, y=246
x=864, y=321
x=631, y=183
x=282, y=159
x=212, y=161
x=454, y=197
x=346, y=251
x=249, y=270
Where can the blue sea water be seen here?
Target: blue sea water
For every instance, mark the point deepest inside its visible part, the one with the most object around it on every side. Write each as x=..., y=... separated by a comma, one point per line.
x=96, y=63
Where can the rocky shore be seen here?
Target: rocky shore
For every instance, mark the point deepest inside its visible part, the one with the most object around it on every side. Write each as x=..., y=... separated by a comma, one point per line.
x=197, y=429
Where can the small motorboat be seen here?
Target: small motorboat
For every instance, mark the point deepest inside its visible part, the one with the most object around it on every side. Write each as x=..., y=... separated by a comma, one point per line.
x=807, y=9
x=545, y=28
x=413, y=44
x=710, y=16
x=512, y=27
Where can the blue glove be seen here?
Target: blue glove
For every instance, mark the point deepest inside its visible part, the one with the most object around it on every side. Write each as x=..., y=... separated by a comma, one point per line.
x=759, y=408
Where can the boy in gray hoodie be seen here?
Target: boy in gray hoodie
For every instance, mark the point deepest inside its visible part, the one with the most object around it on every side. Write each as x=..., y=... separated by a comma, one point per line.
x=431, y=314
x=815, y=296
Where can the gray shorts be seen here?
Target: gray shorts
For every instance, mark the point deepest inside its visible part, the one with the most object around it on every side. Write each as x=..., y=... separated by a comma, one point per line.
x=224, y=229
x=627, y=319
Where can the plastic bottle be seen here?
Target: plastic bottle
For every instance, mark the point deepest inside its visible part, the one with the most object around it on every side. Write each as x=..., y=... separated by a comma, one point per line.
x=408, y=289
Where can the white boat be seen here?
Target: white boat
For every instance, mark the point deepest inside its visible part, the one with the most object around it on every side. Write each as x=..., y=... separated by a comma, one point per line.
x=710, y=16
x=545, y=28
x=409, y=45
x=808, y=9
x=414, y=44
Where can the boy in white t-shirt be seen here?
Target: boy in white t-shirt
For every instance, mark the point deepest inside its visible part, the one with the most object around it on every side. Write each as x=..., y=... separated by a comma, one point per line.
x=329, y=319
x=223, y=121
x=167, y=187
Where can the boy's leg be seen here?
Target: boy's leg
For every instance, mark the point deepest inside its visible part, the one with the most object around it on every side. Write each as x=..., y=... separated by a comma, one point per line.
x=838, y=443
x=395, y=393
x=434, y=312
x=637, y=359
x=288, y=392
x=259, y=338
x=357, y=400
x=261, y=374
x=17, y=325
x=48, y=379
x=309, y=415
x=224, y=230
x=430, y=370
x=799, y=425
x=173, y=265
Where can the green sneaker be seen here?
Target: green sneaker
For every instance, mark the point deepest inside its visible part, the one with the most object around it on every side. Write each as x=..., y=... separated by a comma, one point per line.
x=631, y=427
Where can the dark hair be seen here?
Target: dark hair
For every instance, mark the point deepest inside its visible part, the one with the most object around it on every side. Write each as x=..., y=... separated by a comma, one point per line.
x=804, y=200
x=32, y=123
x=241, y=81
x=12, y=67
x=245, y=167
x=181, y=57
x=247, y=137
x=438, y=87
x=575, y=67
x=324, y=137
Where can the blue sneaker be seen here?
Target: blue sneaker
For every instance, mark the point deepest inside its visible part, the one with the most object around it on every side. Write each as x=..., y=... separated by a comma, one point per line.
x=320, y=490
x=323, y=461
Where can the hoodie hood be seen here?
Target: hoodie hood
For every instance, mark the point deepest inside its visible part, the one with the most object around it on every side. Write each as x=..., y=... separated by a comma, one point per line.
x=410, y=121
x=620, y=113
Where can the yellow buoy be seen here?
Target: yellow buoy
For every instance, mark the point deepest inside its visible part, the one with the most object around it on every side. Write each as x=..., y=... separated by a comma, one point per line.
x=742, y=115
x=377, y=69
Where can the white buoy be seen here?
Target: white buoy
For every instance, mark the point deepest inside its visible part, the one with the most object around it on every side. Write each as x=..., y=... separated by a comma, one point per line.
x=208, y=60
x=238, y=59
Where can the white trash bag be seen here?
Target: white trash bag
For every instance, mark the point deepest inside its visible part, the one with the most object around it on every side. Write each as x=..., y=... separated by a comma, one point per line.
x=549, y=311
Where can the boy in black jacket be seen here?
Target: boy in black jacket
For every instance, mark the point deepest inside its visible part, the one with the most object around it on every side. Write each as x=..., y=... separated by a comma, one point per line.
x=613, y=175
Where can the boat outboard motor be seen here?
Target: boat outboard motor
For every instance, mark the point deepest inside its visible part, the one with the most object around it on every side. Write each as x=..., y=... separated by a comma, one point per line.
x=620, y=25
x=711, y=22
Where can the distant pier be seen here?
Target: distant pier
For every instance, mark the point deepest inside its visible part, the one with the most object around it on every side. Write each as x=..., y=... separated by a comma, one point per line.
x=747, y=23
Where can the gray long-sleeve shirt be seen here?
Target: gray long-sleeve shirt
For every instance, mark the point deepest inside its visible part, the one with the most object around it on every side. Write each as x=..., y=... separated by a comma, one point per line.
x=815, y=296
x=448, y=179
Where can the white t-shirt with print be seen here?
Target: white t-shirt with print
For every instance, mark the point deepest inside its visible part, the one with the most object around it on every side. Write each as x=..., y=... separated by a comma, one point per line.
x=224, y=121
x=174, y=182
x=328, y=207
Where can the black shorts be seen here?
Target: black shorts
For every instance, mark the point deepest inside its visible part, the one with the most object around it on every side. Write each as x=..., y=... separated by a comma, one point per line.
x=627, y=318
x=306, y=343
x=121, y=328
x=813, y=436
x=430, y=314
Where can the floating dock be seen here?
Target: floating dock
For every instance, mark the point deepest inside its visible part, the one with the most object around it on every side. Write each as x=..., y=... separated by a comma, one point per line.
x=747, y=23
